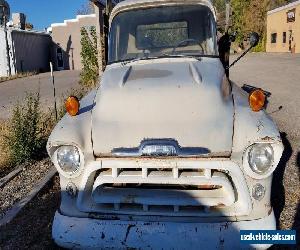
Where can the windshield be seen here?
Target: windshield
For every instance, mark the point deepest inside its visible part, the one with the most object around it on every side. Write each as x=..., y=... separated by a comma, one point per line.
x=162, y=31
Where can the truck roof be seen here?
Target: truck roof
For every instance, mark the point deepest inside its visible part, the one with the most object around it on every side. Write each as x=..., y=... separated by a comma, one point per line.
x=132, y=4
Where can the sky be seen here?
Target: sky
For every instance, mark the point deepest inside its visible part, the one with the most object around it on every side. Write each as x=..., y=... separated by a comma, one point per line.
x=41, y=13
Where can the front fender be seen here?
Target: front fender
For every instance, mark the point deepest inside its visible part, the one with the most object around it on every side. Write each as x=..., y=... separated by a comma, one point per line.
x=75, y=130
x=251, y=127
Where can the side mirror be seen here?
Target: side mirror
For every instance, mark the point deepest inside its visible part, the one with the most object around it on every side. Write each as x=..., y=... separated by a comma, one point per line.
x=254, y=39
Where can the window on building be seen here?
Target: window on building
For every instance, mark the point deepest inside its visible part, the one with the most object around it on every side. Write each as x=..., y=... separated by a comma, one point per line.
x=284, y=37
x=273, y=37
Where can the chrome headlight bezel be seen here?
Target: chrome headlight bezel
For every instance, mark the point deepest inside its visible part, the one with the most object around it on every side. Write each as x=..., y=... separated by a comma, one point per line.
x=277, y=149
x=69, y=174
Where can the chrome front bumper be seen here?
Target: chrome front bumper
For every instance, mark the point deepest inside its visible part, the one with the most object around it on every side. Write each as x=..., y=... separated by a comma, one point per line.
x=86, y=233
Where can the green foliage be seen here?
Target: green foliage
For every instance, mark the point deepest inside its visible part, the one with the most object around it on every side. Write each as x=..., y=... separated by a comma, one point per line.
x=238, y=18
x=250, y=15
x=89, y=57
x=219, y=5
x=25, y=139
x=261, y=46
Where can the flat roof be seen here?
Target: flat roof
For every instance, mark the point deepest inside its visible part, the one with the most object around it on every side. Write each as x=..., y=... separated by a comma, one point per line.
x=288, y=6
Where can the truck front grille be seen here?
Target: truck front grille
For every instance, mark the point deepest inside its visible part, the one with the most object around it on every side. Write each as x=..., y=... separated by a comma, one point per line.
x=162, y=188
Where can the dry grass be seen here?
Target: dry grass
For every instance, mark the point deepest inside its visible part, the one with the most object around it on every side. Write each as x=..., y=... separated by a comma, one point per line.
x=4, y=154
x=19, y=75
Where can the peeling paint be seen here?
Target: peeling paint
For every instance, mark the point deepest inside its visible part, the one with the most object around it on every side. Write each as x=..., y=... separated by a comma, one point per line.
x=267, y=138
x=260, y=125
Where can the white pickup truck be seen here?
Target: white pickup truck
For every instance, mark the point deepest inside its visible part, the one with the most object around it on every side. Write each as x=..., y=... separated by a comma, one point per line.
x=167, y=153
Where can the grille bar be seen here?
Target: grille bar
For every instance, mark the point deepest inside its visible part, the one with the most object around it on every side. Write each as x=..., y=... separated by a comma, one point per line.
x=163, y=197
x=145, y=198
x=164, y=172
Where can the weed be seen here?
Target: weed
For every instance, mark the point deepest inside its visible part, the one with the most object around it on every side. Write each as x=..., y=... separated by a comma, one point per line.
x=24, y=136
x=4, y=152
x=25, y=139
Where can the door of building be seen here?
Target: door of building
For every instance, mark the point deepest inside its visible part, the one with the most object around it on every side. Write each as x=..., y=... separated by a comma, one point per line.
x=60, y=58
x=291, y=42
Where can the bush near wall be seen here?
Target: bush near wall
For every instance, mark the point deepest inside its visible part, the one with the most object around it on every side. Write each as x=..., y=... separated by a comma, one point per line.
x=89, y=57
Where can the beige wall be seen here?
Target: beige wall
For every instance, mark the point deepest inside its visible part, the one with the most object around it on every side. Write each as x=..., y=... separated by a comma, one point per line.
x=277, y=23
x=67, y=35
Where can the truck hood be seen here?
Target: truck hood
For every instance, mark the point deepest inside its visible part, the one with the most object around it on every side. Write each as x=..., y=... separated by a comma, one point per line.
x=183, y=100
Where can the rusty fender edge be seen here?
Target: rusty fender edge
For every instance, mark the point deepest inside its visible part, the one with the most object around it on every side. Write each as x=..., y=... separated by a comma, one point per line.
x=86, y=233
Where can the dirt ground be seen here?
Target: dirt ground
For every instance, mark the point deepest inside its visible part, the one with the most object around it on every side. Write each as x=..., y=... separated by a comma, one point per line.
x=277, y=73
x=31, y=229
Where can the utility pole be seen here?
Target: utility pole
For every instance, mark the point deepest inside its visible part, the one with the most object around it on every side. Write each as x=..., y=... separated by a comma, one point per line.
x=54, y=91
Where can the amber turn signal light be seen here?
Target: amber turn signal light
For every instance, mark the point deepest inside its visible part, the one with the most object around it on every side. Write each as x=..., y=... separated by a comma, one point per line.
x=72, y=105
x=257, y=100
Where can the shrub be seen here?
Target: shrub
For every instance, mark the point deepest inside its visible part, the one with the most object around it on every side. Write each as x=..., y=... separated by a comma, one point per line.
x=89, y=57
x=24, y=136
x=25, y=139
x=261, y=47
x=4, y=153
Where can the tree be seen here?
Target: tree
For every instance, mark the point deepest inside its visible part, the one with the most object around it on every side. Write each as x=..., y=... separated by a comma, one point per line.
x=277, y=3
x=219, y=5
x=251, y=15
x=29, y=26
x=86, y=9
x=238, y=18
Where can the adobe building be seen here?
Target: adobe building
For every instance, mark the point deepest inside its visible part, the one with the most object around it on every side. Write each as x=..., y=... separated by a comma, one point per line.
x=66, y=37
x=283, y=29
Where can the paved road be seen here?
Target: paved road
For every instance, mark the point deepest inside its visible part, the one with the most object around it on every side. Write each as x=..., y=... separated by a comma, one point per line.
x=279, y=74
x=14, y=90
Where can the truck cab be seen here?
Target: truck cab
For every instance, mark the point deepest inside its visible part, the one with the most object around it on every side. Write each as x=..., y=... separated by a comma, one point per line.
x=167, y=152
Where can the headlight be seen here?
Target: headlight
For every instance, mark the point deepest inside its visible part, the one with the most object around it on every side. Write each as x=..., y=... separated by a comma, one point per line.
x=261, y=158
x=68, y=159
